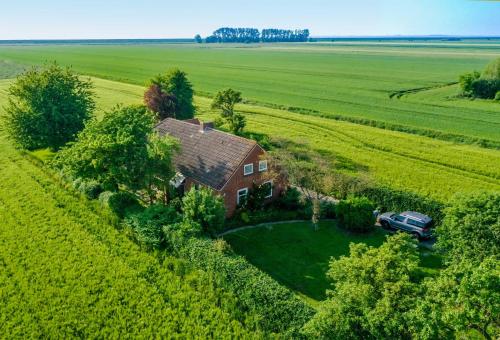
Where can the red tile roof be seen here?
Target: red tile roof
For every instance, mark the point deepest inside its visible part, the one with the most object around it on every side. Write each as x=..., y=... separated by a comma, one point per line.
x=209, y=156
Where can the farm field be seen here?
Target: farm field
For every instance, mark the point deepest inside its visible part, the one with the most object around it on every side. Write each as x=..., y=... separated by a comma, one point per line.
x=65, y=270
x=422, y=165
x=297, y=256
x=349, y=80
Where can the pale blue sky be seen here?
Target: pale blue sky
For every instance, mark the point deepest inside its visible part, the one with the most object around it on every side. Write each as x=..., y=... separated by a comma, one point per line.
x=67, y=19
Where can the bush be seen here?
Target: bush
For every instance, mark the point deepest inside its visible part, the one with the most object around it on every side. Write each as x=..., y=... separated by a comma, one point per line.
x=486, y=88
x=290, y=200
x=394, y=200
x=121, y=203
x=497, y=96
x=356, y=214
x=278, y=308
x=205, y=208
x=92, y=189
x=148, y=224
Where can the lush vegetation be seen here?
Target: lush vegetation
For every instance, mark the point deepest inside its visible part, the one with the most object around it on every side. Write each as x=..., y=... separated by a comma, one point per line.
x=65, y=270
x=356, y=214
x=47, y=107
x=336, y=80
x=485, y=85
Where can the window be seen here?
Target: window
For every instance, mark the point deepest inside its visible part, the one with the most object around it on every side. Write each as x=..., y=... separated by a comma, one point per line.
x=263, y=165
x=268, y=189
x=399, y=218
x=415, y=223
x=248, y=169
x=241, y=196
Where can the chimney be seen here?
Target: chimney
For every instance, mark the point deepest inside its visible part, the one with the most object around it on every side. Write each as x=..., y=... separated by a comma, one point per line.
x=206, y=125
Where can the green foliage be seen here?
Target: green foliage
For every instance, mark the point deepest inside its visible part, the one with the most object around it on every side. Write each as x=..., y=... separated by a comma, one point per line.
x=466, y=82
x=113, y=150
x=356, y=214
x=465, y=297
x=175, y=83
x=92, y=189
x=47, y=107
x=202, y=206
x=486, y=88
x=67, y=272
x=122, y=203
x=471, y=227
x=149, y=224
x=290, y=200
x=388, y=199
x=492, y=70
x=225, y=100
x=278, y=309
x=372, y=293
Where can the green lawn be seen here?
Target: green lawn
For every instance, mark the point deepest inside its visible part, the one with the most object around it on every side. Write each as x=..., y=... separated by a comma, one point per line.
x=297, y=256
x=347, y=79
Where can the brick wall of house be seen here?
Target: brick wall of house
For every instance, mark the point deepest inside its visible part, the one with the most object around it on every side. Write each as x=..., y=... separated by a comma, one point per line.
x=239, y=181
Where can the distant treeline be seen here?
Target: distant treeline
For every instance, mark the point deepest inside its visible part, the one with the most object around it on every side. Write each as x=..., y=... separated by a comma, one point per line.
x=252, y=35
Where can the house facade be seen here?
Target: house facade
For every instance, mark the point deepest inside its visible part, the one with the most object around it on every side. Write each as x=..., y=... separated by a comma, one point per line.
x=230, y=165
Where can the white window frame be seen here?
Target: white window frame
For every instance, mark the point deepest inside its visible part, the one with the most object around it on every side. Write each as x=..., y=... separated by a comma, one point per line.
x=271, y=194
x=238, y=195
x=245, y=172
x=263, y=162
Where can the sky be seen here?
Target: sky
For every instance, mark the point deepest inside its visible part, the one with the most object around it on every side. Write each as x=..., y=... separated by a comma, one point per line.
x=114, y=19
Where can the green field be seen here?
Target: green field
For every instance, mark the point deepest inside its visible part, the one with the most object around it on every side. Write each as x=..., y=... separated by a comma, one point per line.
x=297, y=256
x=66, y=271
x=352, y=80
x=423, y=165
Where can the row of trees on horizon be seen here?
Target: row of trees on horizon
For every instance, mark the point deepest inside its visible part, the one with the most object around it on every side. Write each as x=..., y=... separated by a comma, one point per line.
x=252, y=35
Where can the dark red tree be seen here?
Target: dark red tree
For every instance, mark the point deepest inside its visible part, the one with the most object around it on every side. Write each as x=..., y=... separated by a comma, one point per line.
x=162, y=103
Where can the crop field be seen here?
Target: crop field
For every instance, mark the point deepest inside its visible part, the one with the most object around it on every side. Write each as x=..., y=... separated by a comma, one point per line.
x=65, y=271
x=422, y=165
x=343, y=80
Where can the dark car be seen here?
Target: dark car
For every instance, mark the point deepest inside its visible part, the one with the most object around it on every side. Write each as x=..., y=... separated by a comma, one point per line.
x=411, y=222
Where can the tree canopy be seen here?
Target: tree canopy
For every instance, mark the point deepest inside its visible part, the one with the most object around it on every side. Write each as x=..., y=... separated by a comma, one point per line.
x=203, y=207
x=119, y=150
x=47, y=107
x=372, y=292
x=484, y=85
x=175, y=83
x=225, y=100
x=162, y=103
x=252, y=35
x=471, y=227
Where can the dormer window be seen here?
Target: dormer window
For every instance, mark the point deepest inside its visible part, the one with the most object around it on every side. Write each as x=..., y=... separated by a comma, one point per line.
x=248, y=169
x=263, y=165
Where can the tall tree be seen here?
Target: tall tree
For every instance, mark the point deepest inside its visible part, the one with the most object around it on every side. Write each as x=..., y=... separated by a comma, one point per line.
x=225, y=100
x=47, y=107
x=198, y=39
x=373, y=292
x=175, y=83
x=471, y=227
x=162, y=103
x=308, y=171
x=113, y=150
x=159, y=168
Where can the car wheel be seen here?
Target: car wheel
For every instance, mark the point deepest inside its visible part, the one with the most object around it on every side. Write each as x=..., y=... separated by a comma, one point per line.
x=416, y=235
x=385, y=224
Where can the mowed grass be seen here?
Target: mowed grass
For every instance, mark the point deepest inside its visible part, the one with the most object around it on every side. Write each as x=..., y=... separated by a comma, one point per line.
x=422, y=165
x=298, y=257
x=346, y=79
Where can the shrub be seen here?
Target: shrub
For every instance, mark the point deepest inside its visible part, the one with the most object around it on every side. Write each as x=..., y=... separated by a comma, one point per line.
x=121, y=203
x=92, y=189
x=486, y=88
x=290, y=200
x=497, y=96
x=278, y=308
x=148, y=224
x=328, y=209
x=205, y=208
x=356, y=214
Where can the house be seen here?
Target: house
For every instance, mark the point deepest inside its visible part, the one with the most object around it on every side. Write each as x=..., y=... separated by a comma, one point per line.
x=228, y=164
